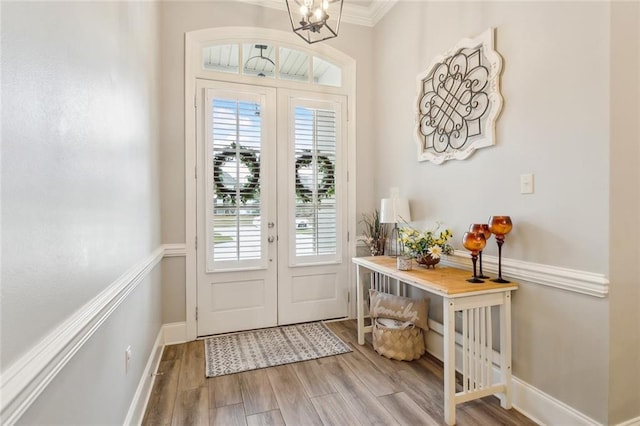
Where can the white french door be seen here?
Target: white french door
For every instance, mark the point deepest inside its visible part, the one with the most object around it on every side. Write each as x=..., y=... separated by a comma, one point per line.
x=313, y=264
x=236, y=203
x=271, y=207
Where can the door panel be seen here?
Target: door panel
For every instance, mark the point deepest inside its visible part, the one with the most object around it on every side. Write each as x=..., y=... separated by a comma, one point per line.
x=236, y=199
x=309, y=287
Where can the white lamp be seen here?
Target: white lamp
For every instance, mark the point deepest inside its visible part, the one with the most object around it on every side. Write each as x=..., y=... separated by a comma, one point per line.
x=394, y=210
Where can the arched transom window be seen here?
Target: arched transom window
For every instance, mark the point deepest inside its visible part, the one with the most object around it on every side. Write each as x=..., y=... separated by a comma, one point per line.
x=271, y=61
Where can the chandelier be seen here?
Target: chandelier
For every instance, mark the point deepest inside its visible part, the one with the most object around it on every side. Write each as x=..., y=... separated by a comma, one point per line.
x=315, y=20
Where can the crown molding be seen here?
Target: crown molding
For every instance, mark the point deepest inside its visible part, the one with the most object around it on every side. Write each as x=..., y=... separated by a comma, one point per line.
x=367, y=16
x=379, y=8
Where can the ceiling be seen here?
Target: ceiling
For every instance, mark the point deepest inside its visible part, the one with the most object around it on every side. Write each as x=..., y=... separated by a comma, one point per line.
x=359, y=12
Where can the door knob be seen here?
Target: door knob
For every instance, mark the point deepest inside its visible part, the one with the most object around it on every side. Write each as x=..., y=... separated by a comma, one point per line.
x=271, y=224
x=271, y=238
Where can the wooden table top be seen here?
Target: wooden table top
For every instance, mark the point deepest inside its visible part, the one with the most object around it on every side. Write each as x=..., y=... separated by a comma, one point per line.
x=443, y=280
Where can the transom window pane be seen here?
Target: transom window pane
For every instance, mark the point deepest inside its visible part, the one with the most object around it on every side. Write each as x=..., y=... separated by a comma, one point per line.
x=221, y=58
x=236, y=180
x=294, y=65
x=326, y=73
x=315, y=152
x=258, y=60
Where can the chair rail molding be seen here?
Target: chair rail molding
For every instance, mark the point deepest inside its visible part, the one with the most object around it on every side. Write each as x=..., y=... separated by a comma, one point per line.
x=23, y=381
x=175, y=250
x=573, y=280
x=583, y=282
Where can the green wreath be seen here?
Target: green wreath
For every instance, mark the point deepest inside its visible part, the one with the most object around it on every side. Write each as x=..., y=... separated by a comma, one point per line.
x=326, y=188
x=249, y=189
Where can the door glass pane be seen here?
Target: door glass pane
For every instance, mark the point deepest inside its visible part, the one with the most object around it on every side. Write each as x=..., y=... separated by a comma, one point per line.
x=315, y=167
x=236, y=180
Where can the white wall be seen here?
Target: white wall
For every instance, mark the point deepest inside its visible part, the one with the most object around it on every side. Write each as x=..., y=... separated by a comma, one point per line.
x=80, y=197
x=176, y=19
x=555, y=124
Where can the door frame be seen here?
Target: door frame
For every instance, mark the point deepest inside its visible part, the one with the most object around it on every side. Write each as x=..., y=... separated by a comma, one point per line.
x=195, y=41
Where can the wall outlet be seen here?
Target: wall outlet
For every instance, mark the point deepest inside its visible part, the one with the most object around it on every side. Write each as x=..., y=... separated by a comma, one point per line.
x=127, y=358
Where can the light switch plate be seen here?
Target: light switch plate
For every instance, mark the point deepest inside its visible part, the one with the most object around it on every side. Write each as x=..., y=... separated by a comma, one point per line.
x=526, y=183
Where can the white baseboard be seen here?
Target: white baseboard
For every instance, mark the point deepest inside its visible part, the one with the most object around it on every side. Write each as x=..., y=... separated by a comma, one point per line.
x=170, y=334
x=174, y=333
x=530, y=401
x=143, y=392
x=631, y=422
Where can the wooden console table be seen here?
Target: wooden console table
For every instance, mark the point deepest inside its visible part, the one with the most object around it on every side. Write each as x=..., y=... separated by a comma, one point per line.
x=474, y=302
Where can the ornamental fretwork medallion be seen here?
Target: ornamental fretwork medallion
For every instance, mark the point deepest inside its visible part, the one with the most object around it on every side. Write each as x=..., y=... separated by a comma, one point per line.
x=459, y=101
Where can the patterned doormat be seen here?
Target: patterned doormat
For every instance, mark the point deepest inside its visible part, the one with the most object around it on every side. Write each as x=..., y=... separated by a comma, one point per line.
x=250, y=350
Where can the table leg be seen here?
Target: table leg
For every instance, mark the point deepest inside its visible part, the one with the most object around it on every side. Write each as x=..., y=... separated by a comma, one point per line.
x=359, y=306
x=505, y=349
x=448, y=312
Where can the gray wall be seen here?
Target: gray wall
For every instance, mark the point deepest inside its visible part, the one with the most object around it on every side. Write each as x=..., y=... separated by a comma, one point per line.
x=561, y=87
x=180, y=17
x=81, y=85
x=80, y=192
x=624, y=339
x=561, y=82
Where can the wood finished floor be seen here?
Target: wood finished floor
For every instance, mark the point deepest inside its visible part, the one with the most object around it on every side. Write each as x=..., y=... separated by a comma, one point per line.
x=357, y=388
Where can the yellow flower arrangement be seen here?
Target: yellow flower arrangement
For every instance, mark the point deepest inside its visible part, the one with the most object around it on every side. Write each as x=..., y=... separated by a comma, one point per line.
x=420, y=243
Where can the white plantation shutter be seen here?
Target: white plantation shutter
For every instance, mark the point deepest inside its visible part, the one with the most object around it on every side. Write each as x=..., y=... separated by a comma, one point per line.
x=235, y=226
x=316, y=138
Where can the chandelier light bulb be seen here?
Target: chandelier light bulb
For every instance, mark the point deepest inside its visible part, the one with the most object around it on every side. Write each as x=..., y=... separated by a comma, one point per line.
x=304, y=10
x=318, y=13
x=325, y=5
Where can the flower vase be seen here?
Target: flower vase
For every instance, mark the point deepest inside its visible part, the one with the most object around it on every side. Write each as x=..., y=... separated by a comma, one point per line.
x=427, y=261
x=404, y=263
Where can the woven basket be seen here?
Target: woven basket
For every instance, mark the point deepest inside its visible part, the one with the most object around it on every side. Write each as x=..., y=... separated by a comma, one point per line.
x=397, y=340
